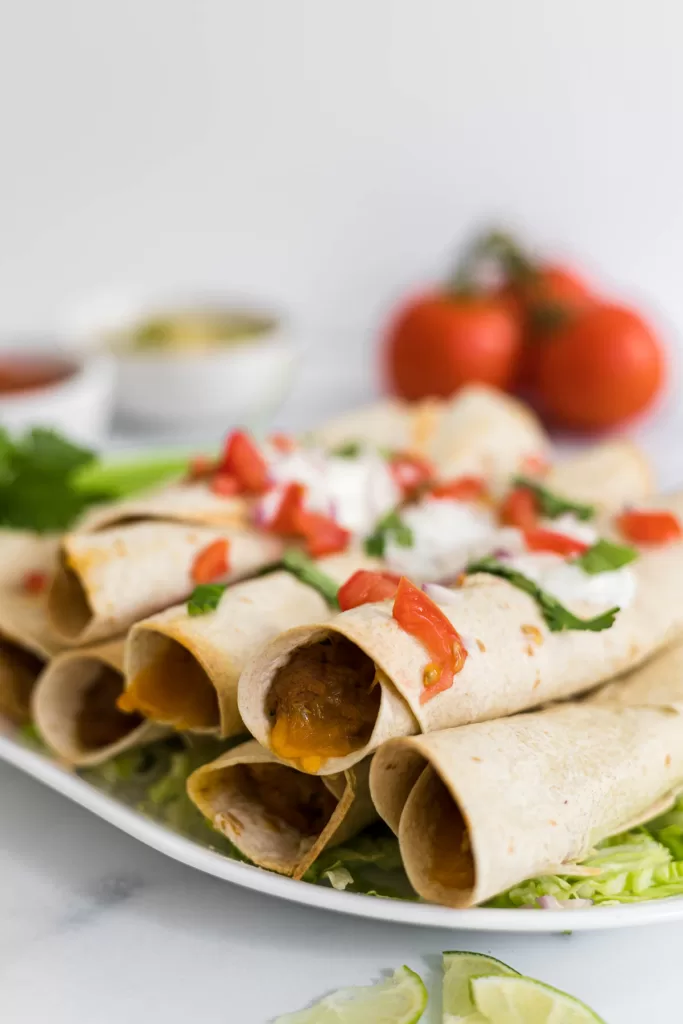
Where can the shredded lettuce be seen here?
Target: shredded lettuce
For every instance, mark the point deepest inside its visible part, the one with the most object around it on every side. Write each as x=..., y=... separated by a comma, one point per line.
x=370, y=863
x=632, y=867
x=153, y=780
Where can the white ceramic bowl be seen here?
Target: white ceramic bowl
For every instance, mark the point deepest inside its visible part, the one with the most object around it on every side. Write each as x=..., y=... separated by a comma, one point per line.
x=79, y=406
x=242, y=383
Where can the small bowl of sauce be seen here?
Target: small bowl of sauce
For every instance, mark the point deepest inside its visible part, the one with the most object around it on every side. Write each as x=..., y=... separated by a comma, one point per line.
x=198, y=361
x=42, y=386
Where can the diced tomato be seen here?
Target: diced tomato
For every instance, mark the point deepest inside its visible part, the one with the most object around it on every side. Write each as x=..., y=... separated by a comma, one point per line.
x=287, y=519
x=323, y=535
x=211, y=562
x=366, y=587
x=243, y=460
x=418, y=615
x=35, y=582
x=410, y=472
x=282, y=442
x=653, y=527
x=519, y=508
x=538, y=539
x=224, y=485
x=463, y=488
x=535, y=465
x=200, y=467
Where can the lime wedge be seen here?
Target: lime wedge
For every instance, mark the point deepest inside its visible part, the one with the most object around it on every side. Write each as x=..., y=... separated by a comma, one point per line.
x=399, y=1000
x=523, y=1001
x=458, y=971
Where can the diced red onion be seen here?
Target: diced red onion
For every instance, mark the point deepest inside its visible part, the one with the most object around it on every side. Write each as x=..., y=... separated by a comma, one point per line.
x=439, y=593
x=552, y=903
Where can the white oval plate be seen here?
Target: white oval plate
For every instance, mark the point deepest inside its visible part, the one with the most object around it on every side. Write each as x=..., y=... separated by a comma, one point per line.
x=195, y=856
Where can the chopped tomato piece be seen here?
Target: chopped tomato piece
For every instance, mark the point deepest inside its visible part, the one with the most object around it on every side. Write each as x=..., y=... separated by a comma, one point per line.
x=538, y=539
x=200, y=467
x=535, y=465
x=365, y=587
x=410, y=472
x=650, y=527
x=211, y=562
x=35, y=582
x=243, y=460
x=282, y=442
x=463, y=488
x=224, y=485
x=287, y=520
x=519, y=508
x=418, y=615
x=323, y=535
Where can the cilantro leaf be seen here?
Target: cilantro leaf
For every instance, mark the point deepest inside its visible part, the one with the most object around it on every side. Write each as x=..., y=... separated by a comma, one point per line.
x=43, y=451
x=205, y=598
x=307, y=571
x=390, y=525
x=553, y=505
x=557, y=617
x=604, y=556
x=348, y=450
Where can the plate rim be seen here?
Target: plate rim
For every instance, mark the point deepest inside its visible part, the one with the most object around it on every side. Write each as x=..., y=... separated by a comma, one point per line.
x=162, y=839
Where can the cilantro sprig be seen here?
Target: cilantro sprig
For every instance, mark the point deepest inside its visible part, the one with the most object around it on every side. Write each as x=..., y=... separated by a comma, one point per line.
x=37, y=481
x=205, y=598
x=348, y=450
x=557, y=617
x=553, y=505
x=391, y=525
x=604, y=556
x=307, y=571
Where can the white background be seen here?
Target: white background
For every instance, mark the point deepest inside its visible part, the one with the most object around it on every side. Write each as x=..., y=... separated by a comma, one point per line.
x=333, y=154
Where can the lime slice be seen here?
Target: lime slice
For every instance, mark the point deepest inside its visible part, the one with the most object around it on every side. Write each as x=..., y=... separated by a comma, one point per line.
x=458, y=971
x=523, y=1001
x=399, y=1000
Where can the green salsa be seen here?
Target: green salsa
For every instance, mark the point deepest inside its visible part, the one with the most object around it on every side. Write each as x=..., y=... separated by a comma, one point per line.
x=194, y=331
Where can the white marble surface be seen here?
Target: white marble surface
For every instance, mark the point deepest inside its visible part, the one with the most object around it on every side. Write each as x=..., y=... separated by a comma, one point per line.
x=96, y=928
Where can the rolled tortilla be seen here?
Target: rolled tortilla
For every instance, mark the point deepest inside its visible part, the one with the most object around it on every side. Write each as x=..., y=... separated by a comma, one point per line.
x=480, y=430
x=74, y=707
x=182, y=670
x=177, y=502
x=26, y=640
x=376, y=669
x=608, y=475
x=481, y=808
x=279, y=818
x=108, y=580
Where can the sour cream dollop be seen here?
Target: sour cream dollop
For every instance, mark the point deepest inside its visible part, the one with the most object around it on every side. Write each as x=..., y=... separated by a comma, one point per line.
x=571, y=585
x=355, y=492
x=446, y=535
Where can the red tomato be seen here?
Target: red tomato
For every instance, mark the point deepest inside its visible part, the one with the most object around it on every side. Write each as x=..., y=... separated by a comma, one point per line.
x=410, y=472
x=224, y=485
x=538, y=539
x=287, y=518
x=547, y=293
x=35, y=582
x=650, y=527
x=200, y=467
x=211, y=562
x=438, y=342
x=600, y=368
x=322, y=535
x=243, y=460
x=282, y=442
x=463, y=488
x=519, y=508
x=418, y=615
x=366, y=587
